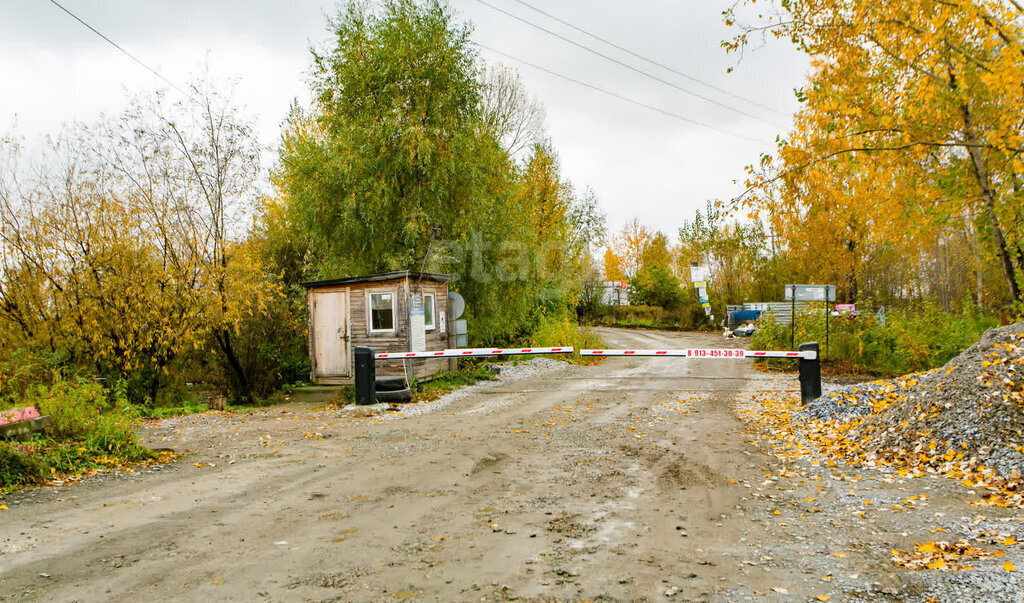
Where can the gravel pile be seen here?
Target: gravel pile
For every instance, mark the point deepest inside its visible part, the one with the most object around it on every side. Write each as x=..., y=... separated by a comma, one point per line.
x=534, y=366
x=971, y=410
x=848, y=401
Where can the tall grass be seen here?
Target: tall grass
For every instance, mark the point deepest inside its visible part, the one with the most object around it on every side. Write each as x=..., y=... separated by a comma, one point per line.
x=555, y=331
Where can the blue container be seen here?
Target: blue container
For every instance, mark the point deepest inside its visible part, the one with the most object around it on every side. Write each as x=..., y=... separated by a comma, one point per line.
x=739, y=316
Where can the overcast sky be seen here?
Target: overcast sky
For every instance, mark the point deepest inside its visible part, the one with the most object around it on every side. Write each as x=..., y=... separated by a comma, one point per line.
x=639, y=162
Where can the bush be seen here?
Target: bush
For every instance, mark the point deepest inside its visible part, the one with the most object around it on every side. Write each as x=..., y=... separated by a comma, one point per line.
x=114, y=436
x=909, y=340
x=18, y=467
x=687, y=318
x=656, y=286
x=74, y=406
x=23, y=367
x=91, y=427
x=590, y=305
x=555, y=331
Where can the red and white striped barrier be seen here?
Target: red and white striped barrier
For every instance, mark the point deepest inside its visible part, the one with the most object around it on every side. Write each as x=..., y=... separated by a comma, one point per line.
x=703, y=353
x=471, y=352
x=728, y=353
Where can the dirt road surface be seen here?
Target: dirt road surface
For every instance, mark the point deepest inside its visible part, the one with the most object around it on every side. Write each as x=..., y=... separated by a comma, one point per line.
x=629, y=480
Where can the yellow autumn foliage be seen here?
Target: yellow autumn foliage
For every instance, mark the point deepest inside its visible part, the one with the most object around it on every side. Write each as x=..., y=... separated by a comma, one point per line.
x=905, y=152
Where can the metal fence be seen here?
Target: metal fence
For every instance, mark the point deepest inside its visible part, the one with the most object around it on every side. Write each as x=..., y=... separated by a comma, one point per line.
x=783, y=311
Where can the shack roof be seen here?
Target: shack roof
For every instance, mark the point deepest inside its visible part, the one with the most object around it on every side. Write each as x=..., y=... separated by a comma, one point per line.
x=384, y=276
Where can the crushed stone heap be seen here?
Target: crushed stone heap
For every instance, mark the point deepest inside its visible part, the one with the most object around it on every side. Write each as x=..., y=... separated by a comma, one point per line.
x=965, y=418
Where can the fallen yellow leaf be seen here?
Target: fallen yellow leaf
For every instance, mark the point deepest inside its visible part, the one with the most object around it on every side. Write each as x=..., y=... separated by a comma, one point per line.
x=3, y=507
x=822, y=597
x=1010, y=540
x=1009, y=567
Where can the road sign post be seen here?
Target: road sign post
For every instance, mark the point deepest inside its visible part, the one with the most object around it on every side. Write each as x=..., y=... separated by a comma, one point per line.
x=811, y=293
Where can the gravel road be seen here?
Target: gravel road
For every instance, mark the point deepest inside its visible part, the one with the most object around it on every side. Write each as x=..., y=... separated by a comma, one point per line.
x=630, y=480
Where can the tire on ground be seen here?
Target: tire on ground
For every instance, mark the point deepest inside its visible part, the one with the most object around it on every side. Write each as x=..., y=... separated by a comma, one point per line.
x=390, y=384
x=397, y=395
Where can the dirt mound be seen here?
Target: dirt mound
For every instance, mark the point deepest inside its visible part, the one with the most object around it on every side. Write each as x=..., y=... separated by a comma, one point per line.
x=965, y=419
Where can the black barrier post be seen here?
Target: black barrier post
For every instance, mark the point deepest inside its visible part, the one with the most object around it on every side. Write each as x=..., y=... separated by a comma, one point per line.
x=366, y=376
x=810, y=373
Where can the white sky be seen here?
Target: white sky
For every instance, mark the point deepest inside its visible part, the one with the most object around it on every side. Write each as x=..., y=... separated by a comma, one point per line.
x=640, y=163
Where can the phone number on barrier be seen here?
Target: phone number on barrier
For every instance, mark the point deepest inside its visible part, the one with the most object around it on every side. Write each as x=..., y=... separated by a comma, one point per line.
x=715, y=353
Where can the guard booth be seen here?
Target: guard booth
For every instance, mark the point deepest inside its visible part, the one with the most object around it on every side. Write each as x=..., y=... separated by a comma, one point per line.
x=390, y=312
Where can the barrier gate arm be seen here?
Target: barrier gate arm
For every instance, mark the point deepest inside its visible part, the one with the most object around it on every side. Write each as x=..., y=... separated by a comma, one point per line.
x=806, y=354
x=472, y=353
x=704, y=353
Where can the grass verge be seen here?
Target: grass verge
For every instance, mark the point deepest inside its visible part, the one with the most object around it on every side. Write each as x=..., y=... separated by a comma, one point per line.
x=447, y=382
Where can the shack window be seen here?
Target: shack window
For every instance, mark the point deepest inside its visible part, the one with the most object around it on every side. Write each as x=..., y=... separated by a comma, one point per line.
x=428, y=311
x=382, y=312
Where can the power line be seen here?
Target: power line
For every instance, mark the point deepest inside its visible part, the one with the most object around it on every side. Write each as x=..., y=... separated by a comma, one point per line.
x=626, y=65
x=618, y=96
x=652, y=61
x=125, y=52
x=508, y=56
x=184, y=93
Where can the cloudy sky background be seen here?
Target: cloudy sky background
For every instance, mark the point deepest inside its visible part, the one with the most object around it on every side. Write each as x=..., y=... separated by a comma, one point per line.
x=639, y=162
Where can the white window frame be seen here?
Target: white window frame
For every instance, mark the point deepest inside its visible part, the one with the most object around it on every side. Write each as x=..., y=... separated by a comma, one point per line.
x=430, y=322
x=369, y=310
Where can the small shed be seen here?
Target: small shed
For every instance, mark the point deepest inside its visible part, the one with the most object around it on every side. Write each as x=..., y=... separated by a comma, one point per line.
x=390, y=312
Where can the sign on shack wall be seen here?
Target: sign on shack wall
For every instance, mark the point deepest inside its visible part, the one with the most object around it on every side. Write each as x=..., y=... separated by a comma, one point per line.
x=417, y=325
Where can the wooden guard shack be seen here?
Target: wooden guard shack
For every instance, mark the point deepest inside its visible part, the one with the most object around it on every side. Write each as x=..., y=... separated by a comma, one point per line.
x=374, y=311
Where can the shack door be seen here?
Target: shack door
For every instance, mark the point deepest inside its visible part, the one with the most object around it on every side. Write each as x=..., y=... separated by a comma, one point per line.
x=330, y=333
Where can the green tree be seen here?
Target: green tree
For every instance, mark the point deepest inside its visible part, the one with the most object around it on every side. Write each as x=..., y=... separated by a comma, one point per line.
x=656, y=286
x=401, y=143
x=737, y=254
x=392, y=145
